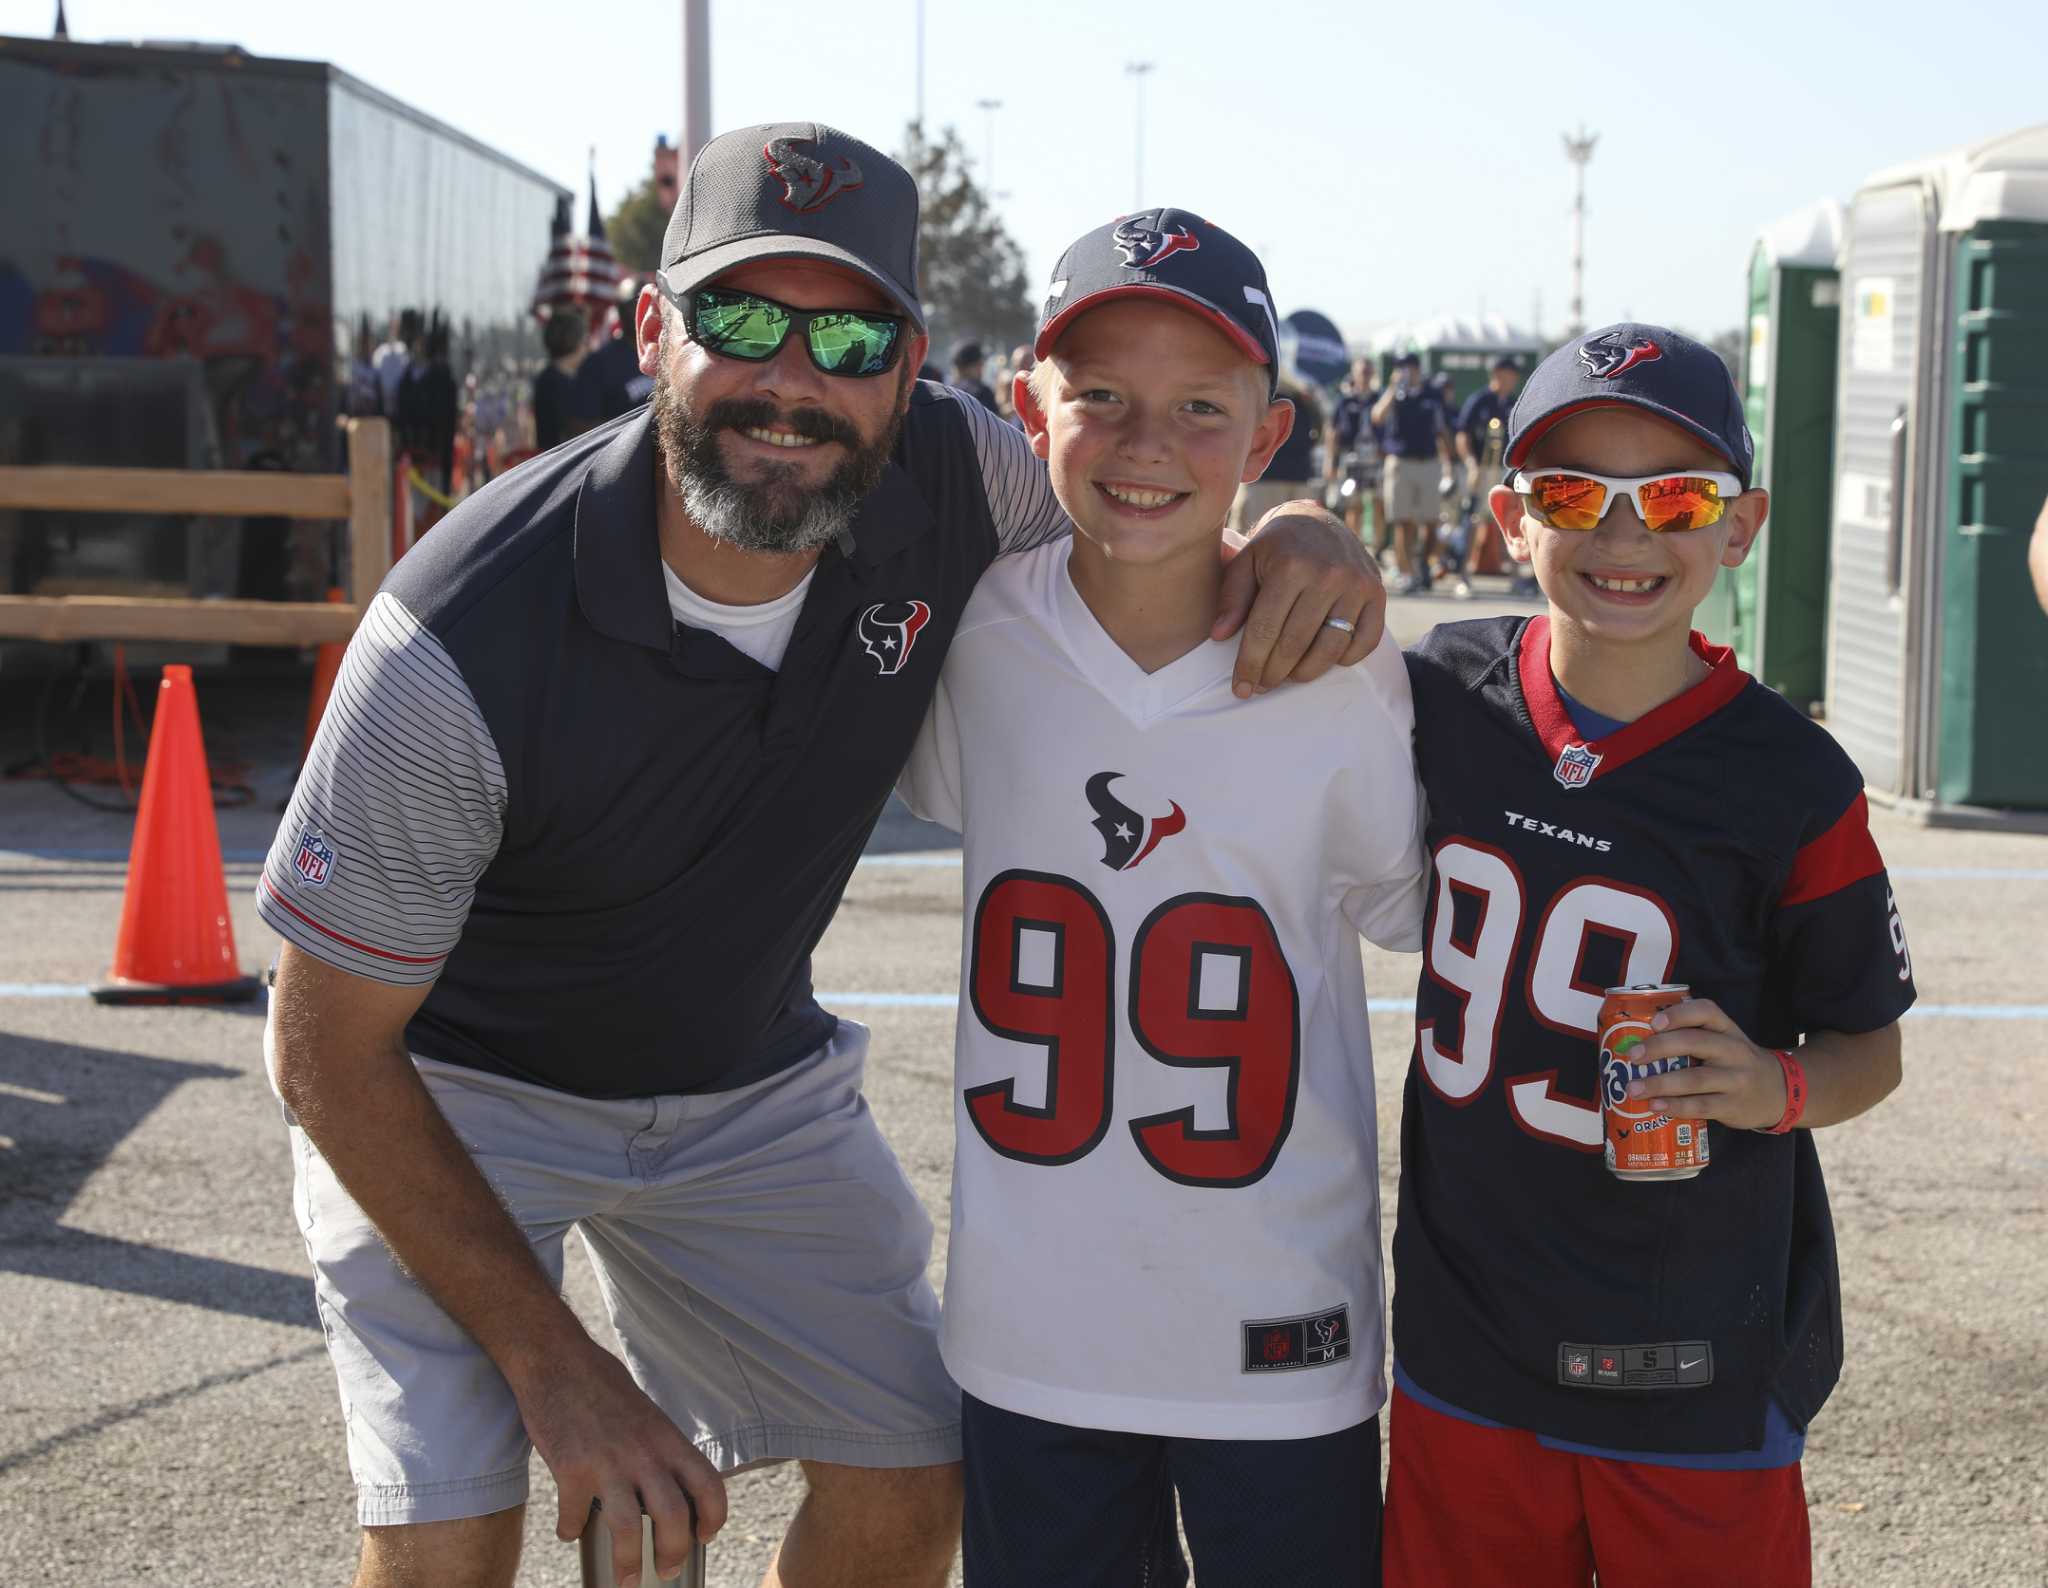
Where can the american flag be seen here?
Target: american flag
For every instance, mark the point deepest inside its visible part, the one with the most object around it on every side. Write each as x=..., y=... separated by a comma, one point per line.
x=581, y=271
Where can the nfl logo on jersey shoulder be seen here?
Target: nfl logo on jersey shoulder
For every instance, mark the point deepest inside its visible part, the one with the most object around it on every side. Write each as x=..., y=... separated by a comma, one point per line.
x=314, y=862
x=1575, y=766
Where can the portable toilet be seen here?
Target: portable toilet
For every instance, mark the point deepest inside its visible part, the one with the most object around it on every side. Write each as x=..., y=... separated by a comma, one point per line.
x=1937, y=650
x=1773, y=608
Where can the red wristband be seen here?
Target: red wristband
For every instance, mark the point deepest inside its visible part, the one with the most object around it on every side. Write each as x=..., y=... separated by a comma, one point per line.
x=1795, y=1093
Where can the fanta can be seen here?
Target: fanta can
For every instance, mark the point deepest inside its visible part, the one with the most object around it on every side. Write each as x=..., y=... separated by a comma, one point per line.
x=1638, y=1140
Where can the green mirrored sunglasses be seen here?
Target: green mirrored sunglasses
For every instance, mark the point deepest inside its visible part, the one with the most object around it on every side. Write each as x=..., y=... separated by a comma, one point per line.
x=748, y=326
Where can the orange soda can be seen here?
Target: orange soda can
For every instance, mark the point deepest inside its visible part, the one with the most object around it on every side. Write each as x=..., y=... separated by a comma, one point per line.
x=1639, y=1141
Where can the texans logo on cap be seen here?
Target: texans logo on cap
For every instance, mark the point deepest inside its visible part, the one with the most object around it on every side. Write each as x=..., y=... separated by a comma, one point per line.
x=889, y=640
x=809, y=183
x=1607, y=356
x=1144, y=247
x=1127, y=837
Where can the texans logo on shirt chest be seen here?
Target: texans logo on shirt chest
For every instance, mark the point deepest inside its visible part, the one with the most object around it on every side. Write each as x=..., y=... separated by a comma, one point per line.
x=888, y=632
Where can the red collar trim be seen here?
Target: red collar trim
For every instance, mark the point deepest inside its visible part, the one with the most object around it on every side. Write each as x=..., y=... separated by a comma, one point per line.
x=1554, y=724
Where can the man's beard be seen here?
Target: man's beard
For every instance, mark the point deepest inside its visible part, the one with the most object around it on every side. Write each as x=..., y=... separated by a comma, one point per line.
x=776, y=511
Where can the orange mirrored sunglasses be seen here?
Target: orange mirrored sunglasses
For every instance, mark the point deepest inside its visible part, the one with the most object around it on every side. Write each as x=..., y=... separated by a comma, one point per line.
x=1667, y=503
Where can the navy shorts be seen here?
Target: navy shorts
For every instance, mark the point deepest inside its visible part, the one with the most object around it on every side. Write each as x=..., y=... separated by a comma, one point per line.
x=1093, y=1508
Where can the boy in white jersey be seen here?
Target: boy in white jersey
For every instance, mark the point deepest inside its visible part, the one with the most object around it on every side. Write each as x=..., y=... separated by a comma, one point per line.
x=1163, y=1272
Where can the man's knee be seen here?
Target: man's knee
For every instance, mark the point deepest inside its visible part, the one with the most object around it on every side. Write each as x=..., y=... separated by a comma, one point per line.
x=474, y=1552
x=905, y=1502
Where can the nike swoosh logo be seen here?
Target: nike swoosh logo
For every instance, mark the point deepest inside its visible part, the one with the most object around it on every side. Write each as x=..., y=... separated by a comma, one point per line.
x=1695, y=1362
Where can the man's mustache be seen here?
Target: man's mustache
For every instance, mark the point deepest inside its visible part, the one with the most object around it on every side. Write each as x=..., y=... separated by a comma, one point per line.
x=756, y=413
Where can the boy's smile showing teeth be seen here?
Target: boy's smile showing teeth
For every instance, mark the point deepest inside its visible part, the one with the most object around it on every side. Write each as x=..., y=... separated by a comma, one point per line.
x=1626, y=584
x=1144, y=498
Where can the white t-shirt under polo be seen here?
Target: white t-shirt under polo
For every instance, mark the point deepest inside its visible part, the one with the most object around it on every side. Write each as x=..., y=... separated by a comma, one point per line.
x=761, y=631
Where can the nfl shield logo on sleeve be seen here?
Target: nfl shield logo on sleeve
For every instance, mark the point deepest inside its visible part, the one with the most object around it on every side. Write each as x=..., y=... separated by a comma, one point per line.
x=314, y=862
x=1575, y=766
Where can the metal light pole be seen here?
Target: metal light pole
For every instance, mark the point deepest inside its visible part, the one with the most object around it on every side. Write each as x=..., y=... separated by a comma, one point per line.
x=696, y=78
x=989, y=107
x=920, y=68
x=1137, y=70
x=1579, y=150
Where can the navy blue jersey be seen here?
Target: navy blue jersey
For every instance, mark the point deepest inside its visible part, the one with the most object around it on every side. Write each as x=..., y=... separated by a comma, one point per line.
x=1720, y=841
x=1483, y=405
x=1413, y=425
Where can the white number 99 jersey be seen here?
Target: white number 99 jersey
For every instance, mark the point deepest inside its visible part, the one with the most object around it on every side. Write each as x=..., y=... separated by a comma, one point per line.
x=1165, y=1190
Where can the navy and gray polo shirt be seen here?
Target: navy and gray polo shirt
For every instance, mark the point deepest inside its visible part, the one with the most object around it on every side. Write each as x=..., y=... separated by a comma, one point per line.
x=610, y=841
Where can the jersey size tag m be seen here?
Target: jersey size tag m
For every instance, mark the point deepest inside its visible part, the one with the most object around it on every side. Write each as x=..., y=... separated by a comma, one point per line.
x=1316, y=1339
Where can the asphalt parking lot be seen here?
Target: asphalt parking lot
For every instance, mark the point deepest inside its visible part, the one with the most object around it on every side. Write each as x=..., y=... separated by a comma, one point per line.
x=167, y=1413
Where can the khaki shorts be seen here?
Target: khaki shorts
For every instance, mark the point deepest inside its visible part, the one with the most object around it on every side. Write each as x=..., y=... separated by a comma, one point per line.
x=1411, y=489
x=761, y=1257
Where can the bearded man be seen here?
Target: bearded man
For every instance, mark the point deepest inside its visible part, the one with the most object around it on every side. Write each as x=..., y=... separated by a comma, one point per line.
x=599, y=763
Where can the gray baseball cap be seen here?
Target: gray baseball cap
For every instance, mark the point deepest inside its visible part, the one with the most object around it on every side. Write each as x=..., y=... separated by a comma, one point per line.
x=795, y=190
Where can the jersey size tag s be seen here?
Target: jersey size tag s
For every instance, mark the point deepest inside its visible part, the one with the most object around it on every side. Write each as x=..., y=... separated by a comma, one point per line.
x=1315, y=1339
x=1677, y=1364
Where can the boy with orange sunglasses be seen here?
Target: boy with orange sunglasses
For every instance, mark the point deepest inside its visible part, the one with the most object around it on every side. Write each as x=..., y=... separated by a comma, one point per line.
x=1594, y=1375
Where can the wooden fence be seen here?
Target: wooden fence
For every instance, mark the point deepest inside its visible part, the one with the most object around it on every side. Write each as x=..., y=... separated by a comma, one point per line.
x=362, y=496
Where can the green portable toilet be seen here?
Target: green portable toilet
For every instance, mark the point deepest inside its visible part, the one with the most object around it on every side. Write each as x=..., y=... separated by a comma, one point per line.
x=1773, y=609
x=1937, y=651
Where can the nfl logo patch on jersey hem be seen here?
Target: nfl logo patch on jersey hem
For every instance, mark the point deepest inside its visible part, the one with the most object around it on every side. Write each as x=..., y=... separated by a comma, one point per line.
x=1315, y=1339
x=1575, y=766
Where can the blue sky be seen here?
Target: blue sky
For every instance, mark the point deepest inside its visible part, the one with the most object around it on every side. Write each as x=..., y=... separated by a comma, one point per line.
x=1388, y=161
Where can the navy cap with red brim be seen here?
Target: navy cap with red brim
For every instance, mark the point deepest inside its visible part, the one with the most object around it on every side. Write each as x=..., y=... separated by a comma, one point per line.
x=1175, y=257
x=1650, y=368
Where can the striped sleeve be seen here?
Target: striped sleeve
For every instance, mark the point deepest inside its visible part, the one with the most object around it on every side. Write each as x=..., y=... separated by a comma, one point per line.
x=399, y=809
x=1020, y=498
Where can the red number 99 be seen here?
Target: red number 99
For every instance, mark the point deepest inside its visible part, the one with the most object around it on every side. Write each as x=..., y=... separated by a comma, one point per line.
x=1210, y=988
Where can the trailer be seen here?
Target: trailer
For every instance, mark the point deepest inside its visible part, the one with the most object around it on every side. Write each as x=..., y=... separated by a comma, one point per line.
x=199, y=251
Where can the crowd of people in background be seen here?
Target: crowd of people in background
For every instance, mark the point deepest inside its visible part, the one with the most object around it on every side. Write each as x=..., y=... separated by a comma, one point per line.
x=1406, y=452
x=584, y=385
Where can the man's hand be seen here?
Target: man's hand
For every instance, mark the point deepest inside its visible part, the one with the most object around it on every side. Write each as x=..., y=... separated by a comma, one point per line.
x=605, y=1441
x=1730, y=1079
x=1300, y=567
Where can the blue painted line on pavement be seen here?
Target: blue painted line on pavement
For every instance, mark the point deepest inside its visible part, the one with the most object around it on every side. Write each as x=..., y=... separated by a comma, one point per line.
x=1970, y=873
x=1978, y=1012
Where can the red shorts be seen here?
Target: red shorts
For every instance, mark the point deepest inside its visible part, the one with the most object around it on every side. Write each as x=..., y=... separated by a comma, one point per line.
x=1473, y=1507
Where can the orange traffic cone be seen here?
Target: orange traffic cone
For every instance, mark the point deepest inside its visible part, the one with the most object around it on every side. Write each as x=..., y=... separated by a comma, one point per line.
x=326, y=666
x=176, y=945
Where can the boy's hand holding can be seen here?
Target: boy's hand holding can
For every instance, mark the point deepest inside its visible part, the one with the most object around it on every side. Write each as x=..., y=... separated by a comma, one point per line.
x=1731, y=1079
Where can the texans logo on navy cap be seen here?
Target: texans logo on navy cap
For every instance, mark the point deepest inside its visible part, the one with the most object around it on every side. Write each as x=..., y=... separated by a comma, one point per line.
x=1607, y=356
x=1143, y=246
x=1174, y=255
x=1648, y=367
